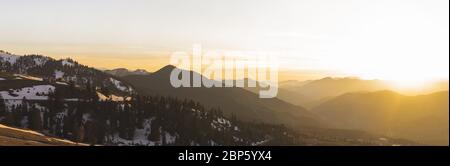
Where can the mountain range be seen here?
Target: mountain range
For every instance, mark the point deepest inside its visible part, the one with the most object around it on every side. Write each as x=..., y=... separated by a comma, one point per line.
x=422, y=118
x=350, y=110
x=62, y=72
x=314, y=91
x=246, y=105
x=125, y=72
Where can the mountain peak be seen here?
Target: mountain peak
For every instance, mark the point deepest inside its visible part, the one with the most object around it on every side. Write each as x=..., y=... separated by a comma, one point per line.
x=141, y=70
x=166, y=69
x=169, y=67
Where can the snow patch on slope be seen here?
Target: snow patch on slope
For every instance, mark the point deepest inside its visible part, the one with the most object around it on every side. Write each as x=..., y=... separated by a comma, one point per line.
x=40, y=61
x=141, y=137
x=38, y=92
x=58, y=74
x=9, y=57
x=221, y=124
x=12, y=103
x=65, y=62
x=119, y=85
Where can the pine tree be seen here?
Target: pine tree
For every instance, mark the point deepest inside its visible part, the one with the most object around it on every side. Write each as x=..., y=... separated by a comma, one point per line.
x=155, y=133
x=91, y=132
x=78, y=131
x=17, y=115
x=35, y=120
x=2, y=107
x=9, y=119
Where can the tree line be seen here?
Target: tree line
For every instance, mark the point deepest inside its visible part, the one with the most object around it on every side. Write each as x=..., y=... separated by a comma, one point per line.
x=89, y=120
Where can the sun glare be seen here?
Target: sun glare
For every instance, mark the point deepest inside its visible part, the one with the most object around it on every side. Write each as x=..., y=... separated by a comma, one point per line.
x=408, y=84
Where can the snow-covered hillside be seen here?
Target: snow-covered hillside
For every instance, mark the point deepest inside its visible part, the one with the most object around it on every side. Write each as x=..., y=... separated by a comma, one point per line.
x=119, y=85
x=64, y=71
x=141, y=137
x=67, y=62
x=38, y=92
x=8, y=57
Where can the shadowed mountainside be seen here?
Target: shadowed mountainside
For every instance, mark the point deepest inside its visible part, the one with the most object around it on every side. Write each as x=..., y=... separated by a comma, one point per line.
x=246, y=105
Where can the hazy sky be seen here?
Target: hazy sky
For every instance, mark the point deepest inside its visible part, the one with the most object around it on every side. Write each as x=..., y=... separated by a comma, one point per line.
x=387, y=39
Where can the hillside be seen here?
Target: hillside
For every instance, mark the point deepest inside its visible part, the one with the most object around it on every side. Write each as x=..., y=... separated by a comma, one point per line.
x=422, y=118
x=19, y=137
x=74, y=106
x=67, y=100
x=246, y=105
x=64, y=71
x=80, y=115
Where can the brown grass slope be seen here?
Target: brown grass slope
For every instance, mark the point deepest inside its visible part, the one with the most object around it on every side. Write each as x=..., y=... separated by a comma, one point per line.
x=20, y=137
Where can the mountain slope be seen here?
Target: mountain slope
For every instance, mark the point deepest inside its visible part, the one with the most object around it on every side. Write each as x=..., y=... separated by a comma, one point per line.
x=421, y=118
x=77, y=114
x=312, y=93
x=63, y=92
x=64, y=71
x=246, y=105
x=61, y=98
x=287, y=94
x=329, y=87
x=19, y=137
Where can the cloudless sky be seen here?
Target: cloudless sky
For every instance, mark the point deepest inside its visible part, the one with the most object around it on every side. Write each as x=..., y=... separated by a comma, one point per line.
x=384, y=39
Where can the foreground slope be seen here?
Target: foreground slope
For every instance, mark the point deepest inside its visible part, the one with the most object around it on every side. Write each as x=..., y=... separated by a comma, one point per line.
x=19, y=137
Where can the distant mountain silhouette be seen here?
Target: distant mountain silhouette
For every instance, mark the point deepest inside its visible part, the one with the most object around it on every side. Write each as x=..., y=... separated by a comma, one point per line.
x=47, y=69
x=293, y=83
x=329, y=87
x=421, y=118
x=246, y=105
x=286, y=94
x=120, y=72
x=314, y=92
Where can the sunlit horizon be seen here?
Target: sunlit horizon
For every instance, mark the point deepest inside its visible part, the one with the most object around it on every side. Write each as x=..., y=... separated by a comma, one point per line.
x=404, y=42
